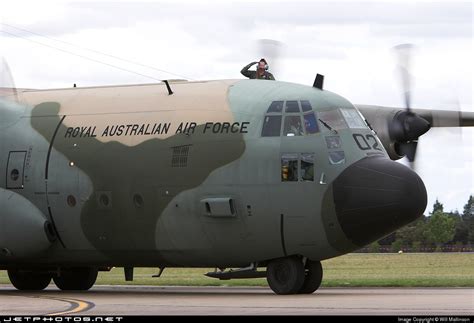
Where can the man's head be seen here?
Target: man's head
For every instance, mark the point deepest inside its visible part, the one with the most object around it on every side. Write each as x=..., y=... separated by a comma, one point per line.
x=262, y=65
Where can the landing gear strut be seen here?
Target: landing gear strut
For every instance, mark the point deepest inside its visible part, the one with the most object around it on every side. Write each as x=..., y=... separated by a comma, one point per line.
x=290, y=276
x=29, y=280
x=76, y=278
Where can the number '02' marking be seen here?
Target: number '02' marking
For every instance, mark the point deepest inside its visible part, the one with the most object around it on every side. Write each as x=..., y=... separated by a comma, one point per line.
x=366, y=143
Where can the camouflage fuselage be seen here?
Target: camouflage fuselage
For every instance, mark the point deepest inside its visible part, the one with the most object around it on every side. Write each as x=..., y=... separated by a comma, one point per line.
x=132, y=176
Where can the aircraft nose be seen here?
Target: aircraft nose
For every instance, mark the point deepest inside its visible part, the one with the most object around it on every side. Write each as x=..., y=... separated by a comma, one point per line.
x=375, y=196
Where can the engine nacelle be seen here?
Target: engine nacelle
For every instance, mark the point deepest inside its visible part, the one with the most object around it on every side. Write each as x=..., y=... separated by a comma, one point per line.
x=379, y=118
x=24, y=230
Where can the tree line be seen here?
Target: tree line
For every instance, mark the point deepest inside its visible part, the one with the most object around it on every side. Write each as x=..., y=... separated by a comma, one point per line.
x=441, y=231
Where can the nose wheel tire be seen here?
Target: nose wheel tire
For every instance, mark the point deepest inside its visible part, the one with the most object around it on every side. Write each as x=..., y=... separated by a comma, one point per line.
x=76, y=278
x=313, y=277
x=29, y=280
x=286, y=275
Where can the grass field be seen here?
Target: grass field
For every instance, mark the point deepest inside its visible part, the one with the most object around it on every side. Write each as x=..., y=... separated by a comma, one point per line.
x=406, y=270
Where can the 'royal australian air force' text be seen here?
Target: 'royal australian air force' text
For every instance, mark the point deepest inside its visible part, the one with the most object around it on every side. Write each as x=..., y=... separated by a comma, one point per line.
x=153, y=129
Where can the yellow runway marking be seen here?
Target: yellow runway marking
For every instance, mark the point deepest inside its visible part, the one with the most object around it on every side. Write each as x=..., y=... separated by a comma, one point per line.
x=76, y=306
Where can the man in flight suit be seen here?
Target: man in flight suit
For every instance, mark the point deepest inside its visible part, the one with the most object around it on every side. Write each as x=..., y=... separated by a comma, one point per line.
x=261, y=72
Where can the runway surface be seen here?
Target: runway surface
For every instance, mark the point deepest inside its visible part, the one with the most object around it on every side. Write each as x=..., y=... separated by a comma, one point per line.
x=154, y=300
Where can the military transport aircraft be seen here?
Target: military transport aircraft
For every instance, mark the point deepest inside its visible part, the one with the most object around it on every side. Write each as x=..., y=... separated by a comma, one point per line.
x=268, y=177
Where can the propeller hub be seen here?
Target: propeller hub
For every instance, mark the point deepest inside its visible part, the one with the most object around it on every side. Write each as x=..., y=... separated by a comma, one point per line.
x=407, y=126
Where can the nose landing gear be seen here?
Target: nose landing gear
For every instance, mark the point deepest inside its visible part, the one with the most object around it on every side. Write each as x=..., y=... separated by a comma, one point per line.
x=290, y=275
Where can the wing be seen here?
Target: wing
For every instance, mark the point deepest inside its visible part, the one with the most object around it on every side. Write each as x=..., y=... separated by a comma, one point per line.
x=380, y=118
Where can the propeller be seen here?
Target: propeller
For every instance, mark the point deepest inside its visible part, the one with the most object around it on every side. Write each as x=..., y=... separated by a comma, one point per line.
x=406, y=126
x=7, y=86
x=271, y=50
x=11, y=107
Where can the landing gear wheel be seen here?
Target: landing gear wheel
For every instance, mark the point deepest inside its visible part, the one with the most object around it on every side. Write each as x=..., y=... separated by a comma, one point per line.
x=29, y=280
x=76, y=278
x=285, y=275
x=313, y=277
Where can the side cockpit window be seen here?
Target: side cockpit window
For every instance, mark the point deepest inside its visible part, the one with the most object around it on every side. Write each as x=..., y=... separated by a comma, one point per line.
x=290, y=118
x=342, y=118
x=307, y=167
x=297, y=167
x=353, y=118
x=333, y=119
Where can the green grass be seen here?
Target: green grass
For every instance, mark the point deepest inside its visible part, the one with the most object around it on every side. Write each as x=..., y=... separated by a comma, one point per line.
x=370, y=270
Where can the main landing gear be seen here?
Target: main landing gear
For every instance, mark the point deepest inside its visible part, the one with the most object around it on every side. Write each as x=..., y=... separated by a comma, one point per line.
x=73, y=279
x=76, y=278
x=290, y=275
x=29, y=280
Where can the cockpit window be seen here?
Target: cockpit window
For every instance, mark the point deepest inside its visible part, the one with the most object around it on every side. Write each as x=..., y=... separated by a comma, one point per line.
x=271, y=126
x=333, y=118
x=292, y=106
x=295, y=123
x=293, y=126
x=307, y=167
x=306, y=106
x=276, y=106
x=289, y=167
x=310, y=123
x=353, y=118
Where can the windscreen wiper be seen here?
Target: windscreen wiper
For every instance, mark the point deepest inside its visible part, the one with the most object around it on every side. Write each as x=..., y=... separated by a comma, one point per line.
x=327, y=126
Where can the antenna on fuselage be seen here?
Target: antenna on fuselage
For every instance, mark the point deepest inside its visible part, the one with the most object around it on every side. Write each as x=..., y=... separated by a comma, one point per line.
x=319, y=81
x=168, y=87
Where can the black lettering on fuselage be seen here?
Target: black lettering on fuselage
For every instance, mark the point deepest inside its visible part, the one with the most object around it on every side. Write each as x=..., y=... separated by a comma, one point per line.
x=243, y=127
x=147, y=129
x=120, y=130
x=187, y=127
x=207, y=126
x=128, y=129
x=81, y=132
x=166, y=128
x=68, y=132
x=134, y=130
x=105, y=133
x=226, y=127
x=76, y=132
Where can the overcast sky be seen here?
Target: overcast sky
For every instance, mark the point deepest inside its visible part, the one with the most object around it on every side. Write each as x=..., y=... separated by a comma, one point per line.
x=349, y=42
